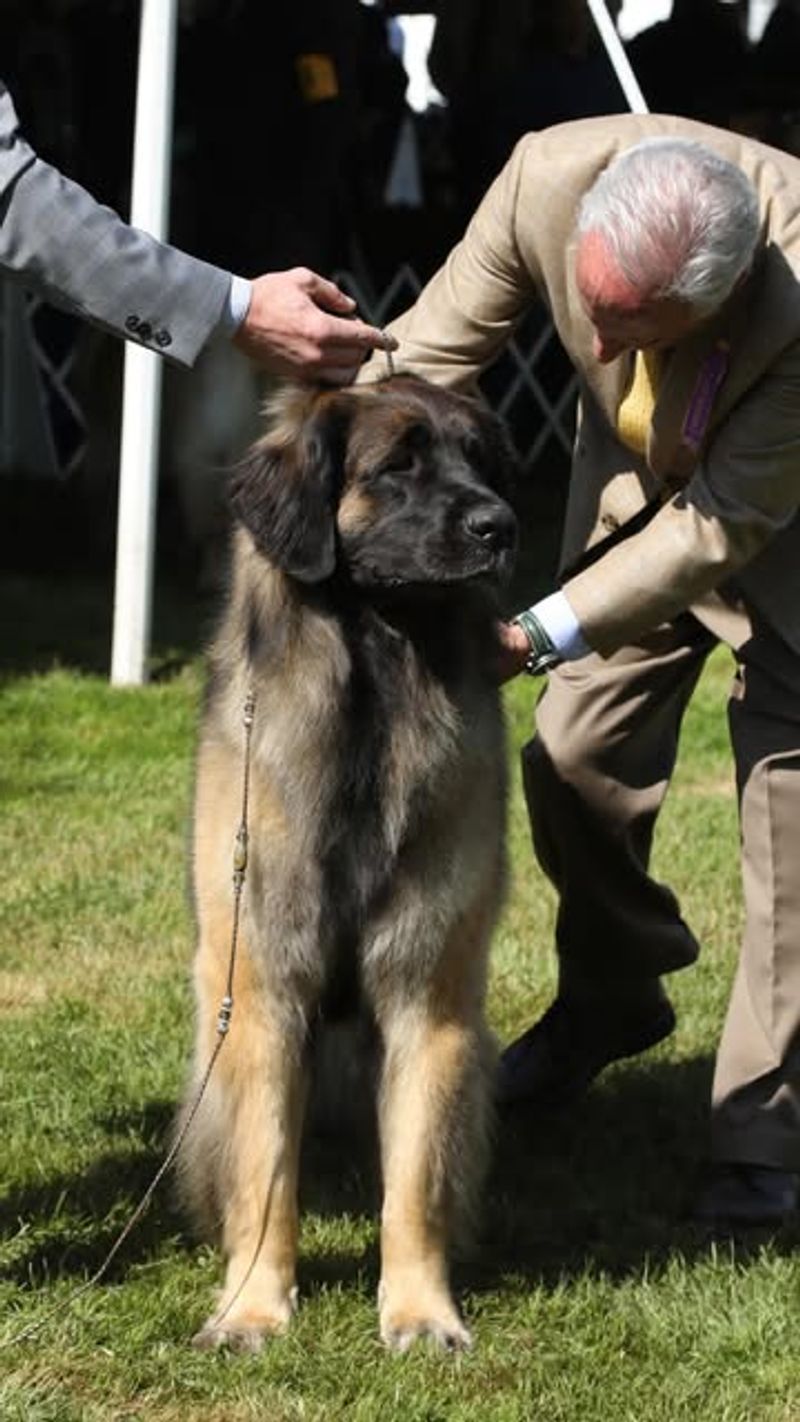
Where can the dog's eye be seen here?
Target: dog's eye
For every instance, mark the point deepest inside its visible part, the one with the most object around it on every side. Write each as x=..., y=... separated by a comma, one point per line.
x=401, y=462
x=405, y=456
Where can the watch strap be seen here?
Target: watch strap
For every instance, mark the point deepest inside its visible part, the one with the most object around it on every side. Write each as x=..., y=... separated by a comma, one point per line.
x=543, y=654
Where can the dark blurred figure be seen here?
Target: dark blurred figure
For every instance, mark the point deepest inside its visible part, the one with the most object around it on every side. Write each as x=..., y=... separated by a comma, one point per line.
x=71, y=66
x=382, y=83
x=267, y=100
x=506, y=69
x=288, y=115
x=777, y=74
x=696, y=63
x=475, y=49
x=562, y=72
x=273, y=102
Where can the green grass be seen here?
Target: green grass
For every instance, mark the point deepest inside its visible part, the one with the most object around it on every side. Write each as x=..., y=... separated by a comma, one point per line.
x=591, y=1298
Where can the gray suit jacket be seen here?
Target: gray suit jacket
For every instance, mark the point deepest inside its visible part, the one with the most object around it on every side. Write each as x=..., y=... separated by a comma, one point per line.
x=56, y=240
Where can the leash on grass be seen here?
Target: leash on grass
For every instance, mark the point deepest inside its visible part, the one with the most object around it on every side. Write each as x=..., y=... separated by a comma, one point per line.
x=225, y=1014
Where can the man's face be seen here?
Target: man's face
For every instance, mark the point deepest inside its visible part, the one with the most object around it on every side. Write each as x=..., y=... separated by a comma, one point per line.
x=623, y=318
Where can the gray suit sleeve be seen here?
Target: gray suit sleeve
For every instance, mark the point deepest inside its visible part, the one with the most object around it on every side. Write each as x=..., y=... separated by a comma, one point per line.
x=56, y=240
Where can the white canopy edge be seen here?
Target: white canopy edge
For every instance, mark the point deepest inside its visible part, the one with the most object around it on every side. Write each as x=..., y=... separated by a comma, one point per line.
x=619, y=59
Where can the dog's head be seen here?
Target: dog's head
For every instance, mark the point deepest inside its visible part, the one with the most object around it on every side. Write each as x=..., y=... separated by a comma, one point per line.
x=394, y=485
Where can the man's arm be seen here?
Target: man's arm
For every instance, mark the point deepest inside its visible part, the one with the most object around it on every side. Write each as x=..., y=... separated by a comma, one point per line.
x=57, y=240
x=746, y=491
x=80, y=255
x=743, y=493
x=465, y=314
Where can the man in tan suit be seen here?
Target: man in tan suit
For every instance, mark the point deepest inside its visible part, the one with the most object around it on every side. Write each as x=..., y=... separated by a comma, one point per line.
x=671, y=279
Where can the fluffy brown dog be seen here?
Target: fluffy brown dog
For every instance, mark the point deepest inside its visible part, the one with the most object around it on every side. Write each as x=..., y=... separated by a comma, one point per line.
x=371, y=541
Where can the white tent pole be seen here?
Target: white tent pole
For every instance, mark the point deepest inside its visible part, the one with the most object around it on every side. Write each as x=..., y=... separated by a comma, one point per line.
x=616, y=53
x=141, y=404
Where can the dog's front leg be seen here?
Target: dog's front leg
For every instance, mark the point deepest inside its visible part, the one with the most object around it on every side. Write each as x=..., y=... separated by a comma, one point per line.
x=258, y=1100
x=432, y=1072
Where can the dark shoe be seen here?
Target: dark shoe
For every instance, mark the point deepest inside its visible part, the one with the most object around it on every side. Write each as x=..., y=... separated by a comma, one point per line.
x=557, y=1059
x=741, y=1196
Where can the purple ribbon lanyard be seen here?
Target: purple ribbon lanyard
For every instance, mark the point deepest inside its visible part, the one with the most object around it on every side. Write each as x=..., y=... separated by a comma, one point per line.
x=712, y=374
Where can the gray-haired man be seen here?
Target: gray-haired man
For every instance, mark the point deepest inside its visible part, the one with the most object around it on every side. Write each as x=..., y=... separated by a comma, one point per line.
x=670, y=275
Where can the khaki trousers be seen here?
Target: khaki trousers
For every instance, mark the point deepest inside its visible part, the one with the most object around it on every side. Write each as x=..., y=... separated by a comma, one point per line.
x=595, y=777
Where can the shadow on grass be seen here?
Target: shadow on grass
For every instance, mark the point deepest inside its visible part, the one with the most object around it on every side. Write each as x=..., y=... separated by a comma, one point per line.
x=609, y=1187
x=70, y=1221
x=606, y=1187
x=604, y=1190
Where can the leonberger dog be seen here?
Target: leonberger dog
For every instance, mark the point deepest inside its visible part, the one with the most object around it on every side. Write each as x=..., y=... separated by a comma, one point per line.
x=372, y=536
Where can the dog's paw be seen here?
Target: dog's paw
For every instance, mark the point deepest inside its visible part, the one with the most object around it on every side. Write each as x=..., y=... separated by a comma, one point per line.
x=435, y=1318
x=246, y=1330
x=237, y=1338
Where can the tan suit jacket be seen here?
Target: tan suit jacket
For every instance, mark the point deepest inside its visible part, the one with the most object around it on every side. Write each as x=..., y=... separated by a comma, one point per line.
x=724, y=454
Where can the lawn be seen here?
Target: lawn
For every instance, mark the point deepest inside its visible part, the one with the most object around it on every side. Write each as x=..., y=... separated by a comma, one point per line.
x=591, y=1297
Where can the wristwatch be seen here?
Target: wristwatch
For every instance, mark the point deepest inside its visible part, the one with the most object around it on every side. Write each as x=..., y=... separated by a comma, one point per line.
x=543, y=655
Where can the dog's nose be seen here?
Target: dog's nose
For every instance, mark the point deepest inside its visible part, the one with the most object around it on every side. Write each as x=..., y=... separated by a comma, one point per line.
x=494, y=525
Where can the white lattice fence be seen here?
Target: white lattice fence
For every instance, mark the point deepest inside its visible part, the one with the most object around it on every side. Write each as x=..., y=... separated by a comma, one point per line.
x=42, y=428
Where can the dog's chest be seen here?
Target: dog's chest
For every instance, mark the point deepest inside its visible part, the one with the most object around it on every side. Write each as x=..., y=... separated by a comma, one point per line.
x=367, y=757
x=400, y=742
x=382, y=769
x=407, y=762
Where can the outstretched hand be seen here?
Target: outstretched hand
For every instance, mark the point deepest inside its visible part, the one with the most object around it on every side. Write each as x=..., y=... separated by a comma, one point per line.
x=300, y=324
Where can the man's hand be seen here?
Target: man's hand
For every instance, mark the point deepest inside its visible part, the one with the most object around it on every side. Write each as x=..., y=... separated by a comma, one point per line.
x=291, y=328
x=513, y=650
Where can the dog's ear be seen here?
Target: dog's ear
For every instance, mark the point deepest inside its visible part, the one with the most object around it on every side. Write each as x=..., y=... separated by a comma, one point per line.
x=286, y=490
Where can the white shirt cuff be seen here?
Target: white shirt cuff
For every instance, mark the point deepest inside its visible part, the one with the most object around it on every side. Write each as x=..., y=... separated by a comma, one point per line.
x=562, y=626
x=234, y=312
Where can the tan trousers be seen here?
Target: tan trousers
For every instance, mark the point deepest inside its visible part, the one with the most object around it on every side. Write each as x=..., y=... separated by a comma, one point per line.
x=595, y=777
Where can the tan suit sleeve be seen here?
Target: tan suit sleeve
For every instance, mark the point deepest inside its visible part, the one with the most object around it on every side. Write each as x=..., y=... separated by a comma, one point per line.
x=464, y=315
x=744, y=492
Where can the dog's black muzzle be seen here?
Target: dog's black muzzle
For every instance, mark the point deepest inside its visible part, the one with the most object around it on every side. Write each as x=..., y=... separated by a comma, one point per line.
x=489, y=529
x=443, y=538
x=493, y=526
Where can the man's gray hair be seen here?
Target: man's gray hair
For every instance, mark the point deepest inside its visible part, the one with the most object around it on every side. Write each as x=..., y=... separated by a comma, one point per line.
x=679, y=220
